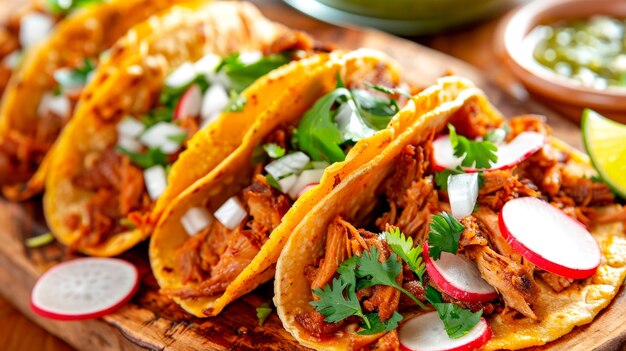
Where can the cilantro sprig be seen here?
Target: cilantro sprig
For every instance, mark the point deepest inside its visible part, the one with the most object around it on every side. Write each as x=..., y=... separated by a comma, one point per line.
x=60, y=7
x=147, y=159
x=457, y=321
x=479, y=154
x=403, y=247
x=263, y=312
x=274, y=150
x=242, y=74
x=445, y=233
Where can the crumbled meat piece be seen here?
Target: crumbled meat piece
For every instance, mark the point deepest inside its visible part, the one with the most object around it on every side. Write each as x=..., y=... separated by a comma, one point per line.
x=313, y=322
x=557, y=283
x=471, y=122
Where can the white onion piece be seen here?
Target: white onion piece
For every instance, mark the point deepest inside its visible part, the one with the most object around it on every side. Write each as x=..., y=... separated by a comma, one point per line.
x=462, y=192
x=231, y=213
x=214, y=101
x=58, y=105
x=287, y=183
x=129, y=143
x=34, y=27
x=195, y=220
x=190, y=103
x=181, y=76
x=305, y=178
x=160, y=135
x=320, y=164
x=156, y=181
x=12, y=60
x=68, y=82
x=350, y=124
x=130, y=127
x=288, y=164
x=250, y=57
x=207, y=64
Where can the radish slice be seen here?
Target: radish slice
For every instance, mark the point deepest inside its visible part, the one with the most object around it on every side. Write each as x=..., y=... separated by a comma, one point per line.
x=305, y=189
x=163, y=135
x=58, y=105
x=130, y=127
x=231, y=213
x=426, y=333
x=190, y=103
x=156, y=181
x=462, y=192
x=34, y=27
x=509, y=155
x=181, y=76
x=549, y=238
x=287, y=183
x=84, y=288
x=305, y=178
x=458, y=277
x=288, y=164
x=195, y=220
x=214, y=101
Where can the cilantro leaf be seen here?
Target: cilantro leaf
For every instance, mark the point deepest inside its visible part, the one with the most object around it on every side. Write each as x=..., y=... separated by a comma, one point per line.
x=152, y=157
x=60, y=7
x=377, y=326
x=274, y=150
x=263, y=311
x=403, y=247
x=241, y=74
x=177, y=138
x=157, y=115
x=389, y=90
x=375, y=111
x=445, y=232
x=372, y=272
x=236, y=102
x=479, y=154
x=273, y=182
x=457, y=321
x=334, y=305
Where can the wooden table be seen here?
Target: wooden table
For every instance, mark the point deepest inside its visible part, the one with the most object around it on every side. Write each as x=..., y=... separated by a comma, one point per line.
x=473, y=44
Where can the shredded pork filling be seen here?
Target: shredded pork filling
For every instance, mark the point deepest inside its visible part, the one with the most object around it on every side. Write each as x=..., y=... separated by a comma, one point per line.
x=411, y=199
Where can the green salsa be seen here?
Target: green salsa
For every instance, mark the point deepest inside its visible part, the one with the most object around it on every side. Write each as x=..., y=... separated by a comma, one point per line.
x=590, y=51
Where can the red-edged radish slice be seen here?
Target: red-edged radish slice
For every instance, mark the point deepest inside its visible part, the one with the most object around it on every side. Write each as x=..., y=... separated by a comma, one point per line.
x=458, y=277
x=549, y=238
x=305, y=189
x=426, y=332
x=190, y=103
x=463, y=193
x=84, y=288
x=509, y=155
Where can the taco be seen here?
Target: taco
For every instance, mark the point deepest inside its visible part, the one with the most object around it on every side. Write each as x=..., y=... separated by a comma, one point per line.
x=138, y=115
x=367, y=263
x=42, y=94
x=216, y=241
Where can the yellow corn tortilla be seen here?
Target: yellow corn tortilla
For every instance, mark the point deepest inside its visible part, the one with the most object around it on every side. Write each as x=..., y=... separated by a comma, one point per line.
x=559, y=312
x=84, y=34
x=235, y=173
x=129, y=85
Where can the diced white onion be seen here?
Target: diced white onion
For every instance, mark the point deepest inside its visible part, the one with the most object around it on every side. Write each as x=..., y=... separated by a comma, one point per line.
x=66, y=79
x=155, y=180
x=12, y=60
x=288, y=164
x=214, y=100
x=287, y=183
x=34, y=27
x=160, y=135
x=195, y=220
x=250, y=57
x=350, y=124
x=231, y=213
x=305, y=178
x=128, y=143
x=207, y=64
x=130, y=127
x=181, y=76
x=59, y=105
x=462, y=192
x=190, y=103
x=320, y=164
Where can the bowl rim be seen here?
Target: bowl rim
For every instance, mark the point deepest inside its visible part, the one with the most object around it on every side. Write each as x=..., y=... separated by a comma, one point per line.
x=513, y=30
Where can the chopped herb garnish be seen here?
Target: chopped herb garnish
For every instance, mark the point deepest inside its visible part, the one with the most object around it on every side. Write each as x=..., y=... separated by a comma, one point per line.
x=152, y=157
x=479, y=154
x=241, y=74
x=236, y=102
x=272, y=182
x=64, y=7
x=274, y=150
x=126, y=222
x=445, y=232
x=264, y=311
x=177, y=138
x=496, y=136
x=403, y=247
x=377, y=326
x=388, y=90
x=157, y=115
x=39, y=240
x=75, y=78
x=457, y=321
x=170, y=95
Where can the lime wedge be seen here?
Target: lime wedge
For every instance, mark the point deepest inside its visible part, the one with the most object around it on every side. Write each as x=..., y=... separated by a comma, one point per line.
x=605, y=142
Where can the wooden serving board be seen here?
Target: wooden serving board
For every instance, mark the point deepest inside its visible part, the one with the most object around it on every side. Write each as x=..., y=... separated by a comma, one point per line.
x=152, y=321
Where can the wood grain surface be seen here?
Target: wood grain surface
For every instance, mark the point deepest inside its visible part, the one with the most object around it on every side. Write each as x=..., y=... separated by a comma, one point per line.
x=152, y=321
